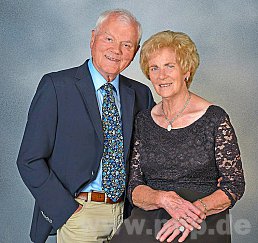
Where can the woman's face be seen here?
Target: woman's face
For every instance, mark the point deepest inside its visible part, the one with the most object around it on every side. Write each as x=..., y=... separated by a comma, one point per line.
x=165, y=73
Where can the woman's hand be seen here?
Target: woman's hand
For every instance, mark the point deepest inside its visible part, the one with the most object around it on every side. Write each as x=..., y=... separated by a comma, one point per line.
x=215, y=203
x=170, y=230
x=187, y=214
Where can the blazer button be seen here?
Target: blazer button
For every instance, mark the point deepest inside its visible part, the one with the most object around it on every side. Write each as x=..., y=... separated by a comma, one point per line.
x=92, y=173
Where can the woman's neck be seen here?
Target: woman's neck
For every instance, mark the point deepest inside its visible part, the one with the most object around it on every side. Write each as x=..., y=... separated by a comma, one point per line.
x=173, y=105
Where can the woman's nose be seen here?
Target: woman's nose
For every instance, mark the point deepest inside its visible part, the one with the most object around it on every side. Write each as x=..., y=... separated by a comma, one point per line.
x=162, y=74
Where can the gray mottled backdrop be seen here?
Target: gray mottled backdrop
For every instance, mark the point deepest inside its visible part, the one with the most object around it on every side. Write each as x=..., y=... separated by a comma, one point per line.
x=42, y=36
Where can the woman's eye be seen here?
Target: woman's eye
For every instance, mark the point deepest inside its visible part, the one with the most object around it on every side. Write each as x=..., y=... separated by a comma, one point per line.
x=170, y=66
x=152, y=69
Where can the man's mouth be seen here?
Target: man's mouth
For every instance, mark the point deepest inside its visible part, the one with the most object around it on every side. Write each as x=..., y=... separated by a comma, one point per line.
x=112, y=59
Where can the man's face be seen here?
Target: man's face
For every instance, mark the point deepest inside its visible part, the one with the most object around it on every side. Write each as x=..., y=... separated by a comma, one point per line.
x=113, y=46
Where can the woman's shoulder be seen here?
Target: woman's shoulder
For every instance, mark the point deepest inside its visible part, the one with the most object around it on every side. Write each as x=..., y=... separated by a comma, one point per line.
x=217, y=110
x=208, y=108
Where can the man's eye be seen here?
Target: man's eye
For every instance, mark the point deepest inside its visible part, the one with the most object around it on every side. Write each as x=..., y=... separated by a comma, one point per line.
x=128, y=46
x=109, y=39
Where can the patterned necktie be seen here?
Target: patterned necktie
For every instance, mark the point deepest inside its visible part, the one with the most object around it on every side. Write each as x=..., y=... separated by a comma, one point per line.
x=113, y=166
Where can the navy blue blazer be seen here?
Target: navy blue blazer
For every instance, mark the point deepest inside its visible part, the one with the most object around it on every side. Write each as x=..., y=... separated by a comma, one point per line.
x=63, y=142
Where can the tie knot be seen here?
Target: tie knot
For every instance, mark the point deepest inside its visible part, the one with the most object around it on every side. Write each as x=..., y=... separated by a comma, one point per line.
x=107, y=87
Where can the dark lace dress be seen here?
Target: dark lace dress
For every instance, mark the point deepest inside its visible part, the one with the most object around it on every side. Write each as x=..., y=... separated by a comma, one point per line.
x=189, y=161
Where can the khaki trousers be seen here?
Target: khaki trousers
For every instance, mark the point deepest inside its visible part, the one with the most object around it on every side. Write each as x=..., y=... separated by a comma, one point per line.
x=95, y=222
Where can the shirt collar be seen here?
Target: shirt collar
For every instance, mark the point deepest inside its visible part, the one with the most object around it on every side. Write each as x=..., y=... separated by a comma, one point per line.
x=98, y=79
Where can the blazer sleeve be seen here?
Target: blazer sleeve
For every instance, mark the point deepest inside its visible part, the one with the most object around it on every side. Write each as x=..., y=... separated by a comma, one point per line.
x=151, y=102
x=55, y=202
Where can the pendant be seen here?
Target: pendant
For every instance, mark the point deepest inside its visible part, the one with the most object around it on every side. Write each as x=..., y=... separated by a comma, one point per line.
x=169, y=128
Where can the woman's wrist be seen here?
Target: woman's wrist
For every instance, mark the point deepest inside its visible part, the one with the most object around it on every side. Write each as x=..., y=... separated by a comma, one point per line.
x=160, y=199
x=163, y=197
x=204, y=205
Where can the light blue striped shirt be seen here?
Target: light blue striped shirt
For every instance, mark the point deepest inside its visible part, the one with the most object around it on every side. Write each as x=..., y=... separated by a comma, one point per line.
x=98, y=81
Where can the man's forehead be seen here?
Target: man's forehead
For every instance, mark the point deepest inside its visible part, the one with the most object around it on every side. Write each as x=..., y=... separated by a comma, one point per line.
x=118, y=22
x=113, y=31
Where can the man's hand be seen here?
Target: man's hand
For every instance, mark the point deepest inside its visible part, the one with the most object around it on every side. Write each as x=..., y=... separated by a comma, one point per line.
x=78, y=209
x=219, y=180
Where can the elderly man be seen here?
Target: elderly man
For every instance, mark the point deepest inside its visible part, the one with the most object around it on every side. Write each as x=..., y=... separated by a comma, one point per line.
x=77, y=139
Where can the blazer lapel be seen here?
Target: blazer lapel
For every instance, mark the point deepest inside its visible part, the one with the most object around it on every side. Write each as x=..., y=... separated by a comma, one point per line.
x=85, y=86
x=87, y=90
x=127, y=96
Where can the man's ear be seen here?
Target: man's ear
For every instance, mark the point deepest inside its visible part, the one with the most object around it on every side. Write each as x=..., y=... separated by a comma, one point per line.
x=137, y=49
x=93, y=34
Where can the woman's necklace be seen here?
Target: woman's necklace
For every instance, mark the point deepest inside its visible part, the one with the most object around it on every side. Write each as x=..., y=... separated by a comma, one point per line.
x=169, y=127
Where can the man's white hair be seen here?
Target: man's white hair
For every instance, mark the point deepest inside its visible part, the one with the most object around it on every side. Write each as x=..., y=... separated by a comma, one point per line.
x=123, y=15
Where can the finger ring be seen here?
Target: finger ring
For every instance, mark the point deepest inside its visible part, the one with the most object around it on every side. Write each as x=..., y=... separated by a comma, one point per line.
x=181, y=228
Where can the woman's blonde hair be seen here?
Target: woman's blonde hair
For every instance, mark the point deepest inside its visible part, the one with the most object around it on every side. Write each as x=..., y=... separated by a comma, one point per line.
x=186, y=52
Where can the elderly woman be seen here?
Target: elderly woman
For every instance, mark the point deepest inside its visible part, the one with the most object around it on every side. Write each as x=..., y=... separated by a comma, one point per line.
x=181, y=147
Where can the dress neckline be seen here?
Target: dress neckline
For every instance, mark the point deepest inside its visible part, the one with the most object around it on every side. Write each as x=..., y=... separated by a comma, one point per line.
x=181, y=128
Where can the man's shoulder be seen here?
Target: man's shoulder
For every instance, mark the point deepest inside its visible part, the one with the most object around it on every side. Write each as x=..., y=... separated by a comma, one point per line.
x=65, y=73
x=70, y=73
x=133, y=83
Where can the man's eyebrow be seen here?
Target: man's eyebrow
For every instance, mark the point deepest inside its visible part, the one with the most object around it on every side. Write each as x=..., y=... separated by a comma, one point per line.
x=107, y=33
x=127, y=41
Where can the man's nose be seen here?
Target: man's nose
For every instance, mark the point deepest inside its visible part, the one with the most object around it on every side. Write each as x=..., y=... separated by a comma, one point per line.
x=117, y=48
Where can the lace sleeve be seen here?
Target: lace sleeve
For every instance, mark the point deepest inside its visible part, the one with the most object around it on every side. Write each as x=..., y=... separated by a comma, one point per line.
x=136, y=176
x=229, y=161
